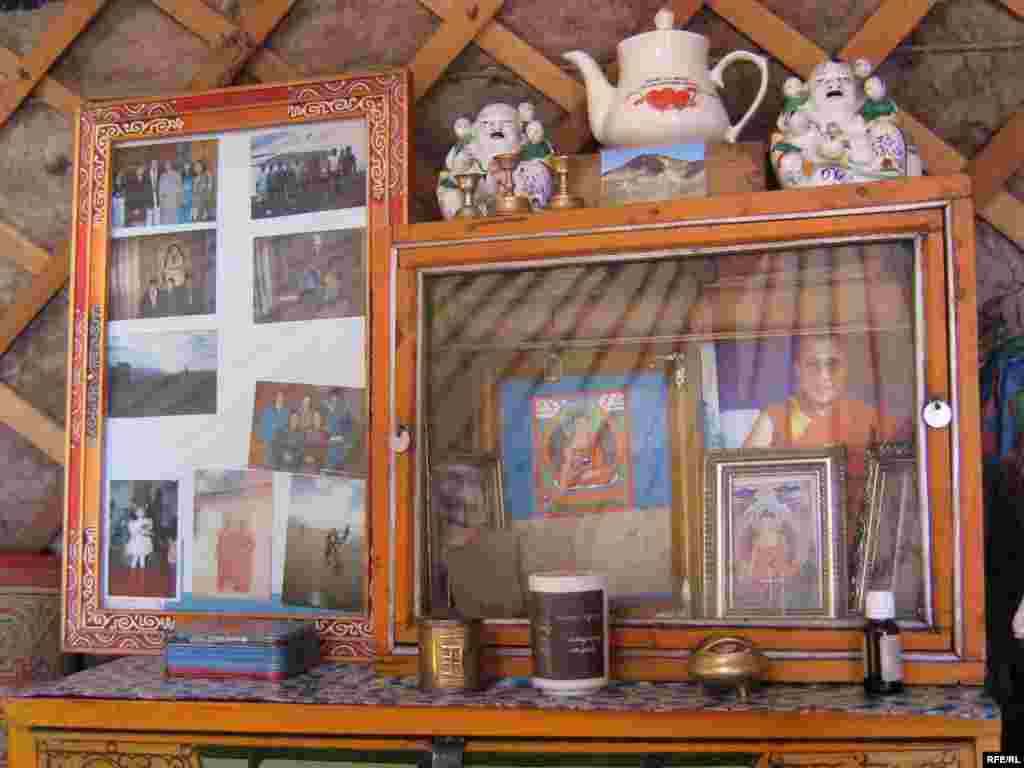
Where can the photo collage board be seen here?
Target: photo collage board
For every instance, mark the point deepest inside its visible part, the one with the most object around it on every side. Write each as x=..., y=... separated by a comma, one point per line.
x=235, y=450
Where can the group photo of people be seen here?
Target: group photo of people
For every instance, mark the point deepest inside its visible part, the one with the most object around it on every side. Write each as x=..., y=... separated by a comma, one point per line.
x=142, y=559
x=164, y=184
x=309, y=276
x=163, y=276
x=308, y=168
x=311, y=429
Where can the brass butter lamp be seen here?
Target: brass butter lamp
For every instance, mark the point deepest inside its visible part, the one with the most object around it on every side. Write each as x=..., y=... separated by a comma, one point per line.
x=467, y=183
x=563, y=200
x=507, y=202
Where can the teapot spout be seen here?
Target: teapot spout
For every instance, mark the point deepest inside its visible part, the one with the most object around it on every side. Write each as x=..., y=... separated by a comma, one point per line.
x=600, y=92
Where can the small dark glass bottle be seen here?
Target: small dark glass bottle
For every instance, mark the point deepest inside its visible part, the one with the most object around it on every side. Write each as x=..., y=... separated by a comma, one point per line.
x=883, y=650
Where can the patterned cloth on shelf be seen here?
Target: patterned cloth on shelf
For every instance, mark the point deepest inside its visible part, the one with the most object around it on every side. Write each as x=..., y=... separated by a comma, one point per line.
x=142, y=677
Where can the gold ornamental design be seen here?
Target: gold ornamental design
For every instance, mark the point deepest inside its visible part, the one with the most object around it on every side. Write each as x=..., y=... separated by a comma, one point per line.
x=60, y=753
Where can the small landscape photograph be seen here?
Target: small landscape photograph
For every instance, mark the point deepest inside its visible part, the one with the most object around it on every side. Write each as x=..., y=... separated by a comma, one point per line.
x=325, y=555
x=233, y=528
x=142, y=546
x=161, y=374
x=643, y=174
x=310, y=429
x=309, y=168
x=309, y=276
x=164, y=184
x=163, y=276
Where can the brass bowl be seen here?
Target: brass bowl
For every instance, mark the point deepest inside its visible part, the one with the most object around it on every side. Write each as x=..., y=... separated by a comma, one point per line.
x=729, y=661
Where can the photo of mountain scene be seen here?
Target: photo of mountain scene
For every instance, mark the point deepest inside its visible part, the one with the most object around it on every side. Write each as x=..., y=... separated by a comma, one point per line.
x=162, y=374
x=645, y=174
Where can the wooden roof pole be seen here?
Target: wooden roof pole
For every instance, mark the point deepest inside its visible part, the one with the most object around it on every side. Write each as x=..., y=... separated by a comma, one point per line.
x=461, y=24
x=55, y=40
x=42, y=288
x=885, y=29
x=1002, y=157
x=32, y=424
x=235, y=47
x=49, y=90
x=22, y=250
x=527, y=62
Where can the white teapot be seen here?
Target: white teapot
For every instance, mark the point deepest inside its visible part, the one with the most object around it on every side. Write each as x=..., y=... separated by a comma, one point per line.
x=665, y=94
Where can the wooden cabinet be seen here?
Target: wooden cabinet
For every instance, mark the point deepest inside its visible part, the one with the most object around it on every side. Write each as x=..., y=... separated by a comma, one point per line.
x=704, y=400
x=675, y=335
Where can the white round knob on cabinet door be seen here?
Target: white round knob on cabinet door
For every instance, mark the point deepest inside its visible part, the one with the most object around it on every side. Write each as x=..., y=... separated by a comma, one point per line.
x=937, y=414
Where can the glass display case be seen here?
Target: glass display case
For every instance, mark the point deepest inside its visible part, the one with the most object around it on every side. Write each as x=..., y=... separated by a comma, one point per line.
x=746, y=415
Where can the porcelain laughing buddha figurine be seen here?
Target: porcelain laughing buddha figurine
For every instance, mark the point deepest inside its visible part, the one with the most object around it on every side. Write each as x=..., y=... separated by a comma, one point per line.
x=497, y=129
x=838, y=128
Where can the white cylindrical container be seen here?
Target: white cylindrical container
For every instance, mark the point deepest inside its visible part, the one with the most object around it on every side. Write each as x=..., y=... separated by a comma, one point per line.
x=569, y=632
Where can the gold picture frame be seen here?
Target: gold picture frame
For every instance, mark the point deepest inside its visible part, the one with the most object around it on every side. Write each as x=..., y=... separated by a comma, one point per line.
x=774, y=535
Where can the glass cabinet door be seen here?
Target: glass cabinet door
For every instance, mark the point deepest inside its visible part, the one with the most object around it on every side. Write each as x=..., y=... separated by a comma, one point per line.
x=702, y=430
x=734, y=434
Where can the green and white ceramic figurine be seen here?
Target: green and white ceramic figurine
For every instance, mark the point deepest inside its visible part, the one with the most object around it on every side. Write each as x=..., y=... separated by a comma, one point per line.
x=840, y=127
x=499, y=129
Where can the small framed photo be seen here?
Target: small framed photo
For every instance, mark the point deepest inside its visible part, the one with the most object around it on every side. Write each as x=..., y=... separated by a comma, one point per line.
x=890, y=551
x=774, y=535
x=465, y=498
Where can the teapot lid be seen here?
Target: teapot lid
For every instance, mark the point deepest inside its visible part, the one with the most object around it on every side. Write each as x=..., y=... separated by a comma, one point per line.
x=664, y=22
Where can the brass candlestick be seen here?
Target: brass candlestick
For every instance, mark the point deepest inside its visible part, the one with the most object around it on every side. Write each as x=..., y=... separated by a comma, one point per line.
x=468, y=183
x=563, y=200
x=507, y=202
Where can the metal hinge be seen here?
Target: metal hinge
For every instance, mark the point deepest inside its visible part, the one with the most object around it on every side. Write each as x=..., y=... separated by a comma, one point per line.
x=678, y=360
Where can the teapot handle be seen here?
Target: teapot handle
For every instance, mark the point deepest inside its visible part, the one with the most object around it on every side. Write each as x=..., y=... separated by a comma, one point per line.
x=716, y=78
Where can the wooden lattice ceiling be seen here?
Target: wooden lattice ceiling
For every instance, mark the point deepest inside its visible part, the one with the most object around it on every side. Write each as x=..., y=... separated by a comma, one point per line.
x=238, y=45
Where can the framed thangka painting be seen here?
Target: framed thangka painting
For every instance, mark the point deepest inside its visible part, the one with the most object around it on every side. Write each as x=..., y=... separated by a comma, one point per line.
x=221, y=431
x=587, y=478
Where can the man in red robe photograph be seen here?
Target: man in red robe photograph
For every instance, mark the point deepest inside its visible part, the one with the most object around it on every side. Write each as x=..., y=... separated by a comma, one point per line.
x=235, y=545
x=821, y=413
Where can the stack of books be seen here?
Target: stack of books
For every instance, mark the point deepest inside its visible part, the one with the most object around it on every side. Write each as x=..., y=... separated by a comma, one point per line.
x=251, y=649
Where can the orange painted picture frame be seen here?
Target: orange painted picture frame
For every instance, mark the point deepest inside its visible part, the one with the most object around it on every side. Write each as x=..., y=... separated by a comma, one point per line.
x=166, y=241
